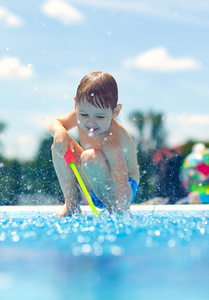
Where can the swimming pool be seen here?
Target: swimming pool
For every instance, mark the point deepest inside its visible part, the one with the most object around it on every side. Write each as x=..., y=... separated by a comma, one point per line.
x=159, y=252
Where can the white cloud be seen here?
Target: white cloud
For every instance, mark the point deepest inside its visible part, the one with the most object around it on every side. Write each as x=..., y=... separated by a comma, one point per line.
x=172, y=11
x=62, y=11
x=19, y=145
x=193, y=120
x=25, y=147
x=183, y=127
x=158, y=59
x=10, y=19
x=11, y=68
x=41, y=120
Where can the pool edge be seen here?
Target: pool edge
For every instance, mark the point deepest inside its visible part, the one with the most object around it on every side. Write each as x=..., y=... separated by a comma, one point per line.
x=134, y=207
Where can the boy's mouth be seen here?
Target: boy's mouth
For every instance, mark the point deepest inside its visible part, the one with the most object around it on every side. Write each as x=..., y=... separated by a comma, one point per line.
x=92, y=129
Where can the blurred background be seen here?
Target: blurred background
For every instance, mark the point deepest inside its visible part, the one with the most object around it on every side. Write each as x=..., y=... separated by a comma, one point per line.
x=156, y=50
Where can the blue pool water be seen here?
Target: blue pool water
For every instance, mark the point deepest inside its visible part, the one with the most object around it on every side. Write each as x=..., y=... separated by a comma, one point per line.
x=149, y=255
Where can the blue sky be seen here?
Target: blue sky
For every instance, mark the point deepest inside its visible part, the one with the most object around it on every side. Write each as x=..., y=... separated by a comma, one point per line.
x=157, y=50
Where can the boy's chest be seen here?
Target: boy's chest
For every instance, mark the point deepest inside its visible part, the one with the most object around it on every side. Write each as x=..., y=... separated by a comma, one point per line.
x=101, y=142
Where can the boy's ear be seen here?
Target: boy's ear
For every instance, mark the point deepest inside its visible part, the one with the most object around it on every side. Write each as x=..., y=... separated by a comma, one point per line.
x=117, y=110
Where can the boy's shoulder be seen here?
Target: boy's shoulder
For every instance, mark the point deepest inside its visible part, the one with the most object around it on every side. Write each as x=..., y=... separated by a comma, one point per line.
x=120, y=137
x=123, y=132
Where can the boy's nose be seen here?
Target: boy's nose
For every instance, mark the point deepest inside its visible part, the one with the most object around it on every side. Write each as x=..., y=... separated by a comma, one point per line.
x=91, y=121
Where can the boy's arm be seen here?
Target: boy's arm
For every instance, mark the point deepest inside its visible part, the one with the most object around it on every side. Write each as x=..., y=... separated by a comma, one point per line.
x=131, y=158
x=66, y=122
x=59, y=130
x=119, y=171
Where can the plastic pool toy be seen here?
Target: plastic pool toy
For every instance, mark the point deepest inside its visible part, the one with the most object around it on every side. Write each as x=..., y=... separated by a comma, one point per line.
x=195, y=172
x=71, y=161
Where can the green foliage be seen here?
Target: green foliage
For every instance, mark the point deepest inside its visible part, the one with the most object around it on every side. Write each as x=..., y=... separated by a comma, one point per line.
x=187, y=148
x=2, y=127
x=151, y=137
x=10, y=173
x=45, y=177
x=29, y=178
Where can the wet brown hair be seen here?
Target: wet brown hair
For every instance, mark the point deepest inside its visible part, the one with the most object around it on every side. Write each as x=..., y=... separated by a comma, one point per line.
x=98, y=88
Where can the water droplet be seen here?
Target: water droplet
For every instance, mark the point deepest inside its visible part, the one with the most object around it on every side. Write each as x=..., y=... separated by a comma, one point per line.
x=108, y=188
x=149, y=242
x=80, y=239
x=76, y=251
x=116, y=250
x=101, y=239
x=202, y=230
x=16, y=238
x=86, y=249
x=98, y=251
x=157, y=232
x=2, y=238
x=171, y=243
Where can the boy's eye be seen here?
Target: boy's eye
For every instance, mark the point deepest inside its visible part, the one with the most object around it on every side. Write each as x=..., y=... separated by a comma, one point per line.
x=84, y=115
x=100, y=117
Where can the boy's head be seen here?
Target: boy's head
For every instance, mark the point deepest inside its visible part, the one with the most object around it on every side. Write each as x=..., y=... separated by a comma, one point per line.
x=99, y=89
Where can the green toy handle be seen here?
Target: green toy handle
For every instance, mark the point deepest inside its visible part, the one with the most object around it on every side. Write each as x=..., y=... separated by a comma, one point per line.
x=71, y=161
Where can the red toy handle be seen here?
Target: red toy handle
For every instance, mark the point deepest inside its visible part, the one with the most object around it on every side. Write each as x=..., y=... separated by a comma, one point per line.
x=69, y=157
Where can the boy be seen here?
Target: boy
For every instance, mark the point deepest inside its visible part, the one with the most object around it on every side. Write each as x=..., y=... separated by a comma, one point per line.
x=106, y=158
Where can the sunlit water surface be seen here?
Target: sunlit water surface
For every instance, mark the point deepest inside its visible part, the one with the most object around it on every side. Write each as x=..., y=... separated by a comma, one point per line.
x=148, y=255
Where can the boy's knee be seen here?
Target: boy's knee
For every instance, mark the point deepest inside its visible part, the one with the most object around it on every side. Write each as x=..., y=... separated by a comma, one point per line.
x=90, y=157
x=87, y=157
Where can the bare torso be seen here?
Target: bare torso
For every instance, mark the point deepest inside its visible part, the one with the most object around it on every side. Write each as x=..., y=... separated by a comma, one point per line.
x=115, y=138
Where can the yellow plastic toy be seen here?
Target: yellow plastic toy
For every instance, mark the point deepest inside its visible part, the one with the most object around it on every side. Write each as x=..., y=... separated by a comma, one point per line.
x=71, y=161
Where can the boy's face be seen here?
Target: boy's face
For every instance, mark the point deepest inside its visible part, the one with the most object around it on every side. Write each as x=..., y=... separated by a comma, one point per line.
x=92, y=119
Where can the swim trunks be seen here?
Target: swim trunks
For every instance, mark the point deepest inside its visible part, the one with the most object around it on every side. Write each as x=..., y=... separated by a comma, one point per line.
x=99, y=204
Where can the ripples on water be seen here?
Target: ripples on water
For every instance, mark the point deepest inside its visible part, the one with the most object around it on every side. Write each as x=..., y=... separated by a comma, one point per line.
x=108, y=235
x=134, y=250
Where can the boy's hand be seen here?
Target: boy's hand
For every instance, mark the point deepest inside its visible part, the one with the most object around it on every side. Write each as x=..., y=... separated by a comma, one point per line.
x=61, y=142
x=60, y=148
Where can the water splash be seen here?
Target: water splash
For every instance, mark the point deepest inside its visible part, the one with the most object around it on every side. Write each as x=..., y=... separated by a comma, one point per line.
x=111, y=234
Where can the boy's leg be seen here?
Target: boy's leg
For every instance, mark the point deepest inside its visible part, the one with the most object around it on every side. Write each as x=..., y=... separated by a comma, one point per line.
x=67, y=182
x=98, y=174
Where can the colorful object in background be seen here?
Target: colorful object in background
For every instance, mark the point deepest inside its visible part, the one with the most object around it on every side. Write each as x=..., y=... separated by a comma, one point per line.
x=71, y=161
x=195, y=172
